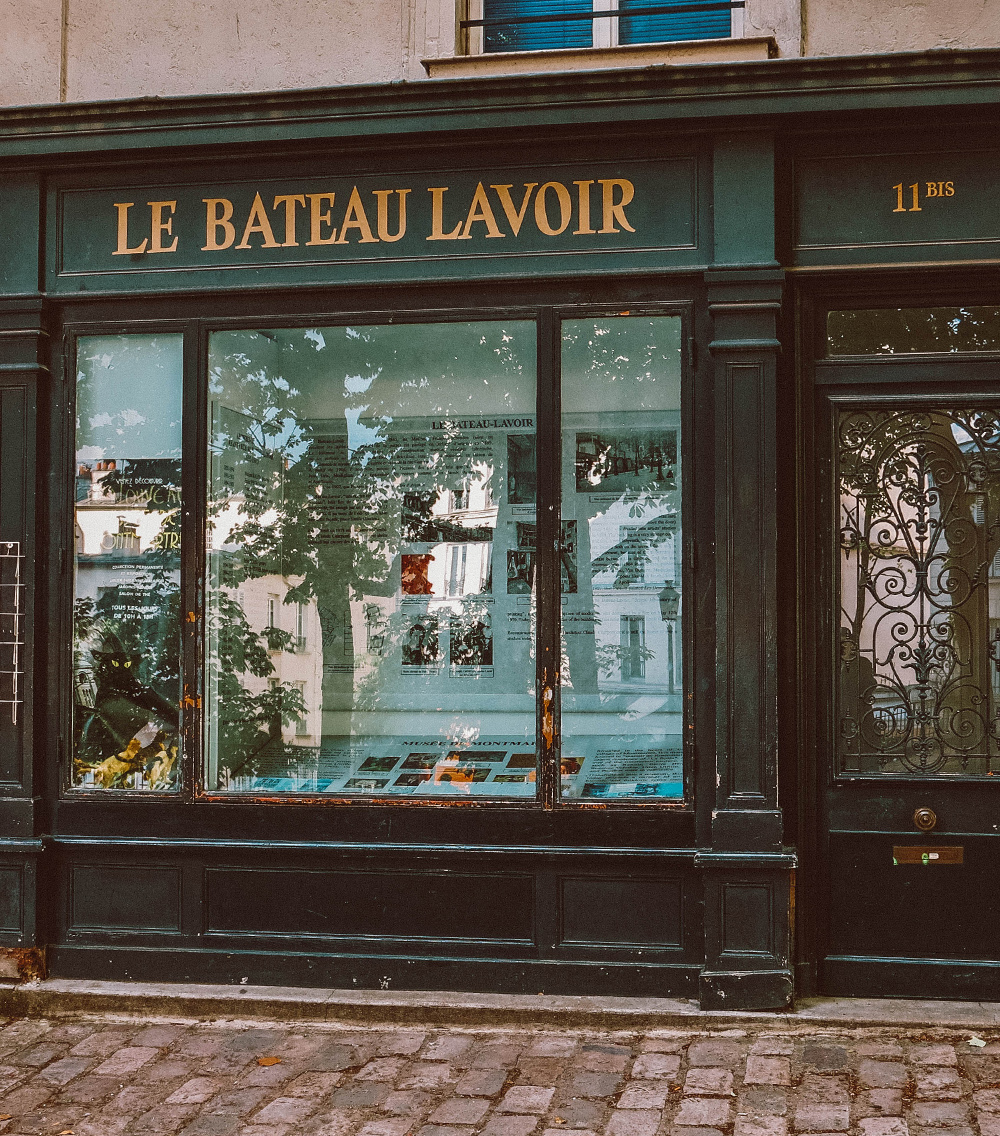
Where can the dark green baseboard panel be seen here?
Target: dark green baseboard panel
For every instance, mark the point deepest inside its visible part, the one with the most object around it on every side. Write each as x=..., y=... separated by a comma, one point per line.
x=856, y=976
x=360, y=972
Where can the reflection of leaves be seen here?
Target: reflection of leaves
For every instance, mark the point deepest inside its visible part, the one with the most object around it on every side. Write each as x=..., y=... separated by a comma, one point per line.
x=629, y=556
x=610, y=656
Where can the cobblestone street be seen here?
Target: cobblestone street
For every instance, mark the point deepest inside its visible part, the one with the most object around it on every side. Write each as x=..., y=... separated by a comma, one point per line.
x=105, y=1076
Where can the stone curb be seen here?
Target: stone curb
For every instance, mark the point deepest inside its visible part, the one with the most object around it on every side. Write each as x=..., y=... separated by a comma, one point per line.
x=69, y=997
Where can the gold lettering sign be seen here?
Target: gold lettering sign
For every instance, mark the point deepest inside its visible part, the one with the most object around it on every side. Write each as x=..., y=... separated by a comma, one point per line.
x=552, y=208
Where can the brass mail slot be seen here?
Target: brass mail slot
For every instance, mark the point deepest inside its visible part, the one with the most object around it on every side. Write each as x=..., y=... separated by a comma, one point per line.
x=918, y=854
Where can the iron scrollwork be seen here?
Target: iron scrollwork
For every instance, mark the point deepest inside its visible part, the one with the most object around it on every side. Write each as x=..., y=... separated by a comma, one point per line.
x=919, y=666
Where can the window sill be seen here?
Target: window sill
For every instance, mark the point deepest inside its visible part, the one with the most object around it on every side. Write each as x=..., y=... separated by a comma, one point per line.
x=601, y=58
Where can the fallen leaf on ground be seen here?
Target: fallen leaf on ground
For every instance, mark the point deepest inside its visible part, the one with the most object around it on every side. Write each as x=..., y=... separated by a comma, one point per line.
x=268, y=1060
x=977, y=1042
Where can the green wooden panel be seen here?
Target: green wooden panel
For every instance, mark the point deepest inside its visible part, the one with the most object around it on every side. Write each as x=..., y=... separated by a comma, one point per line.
x=402, y=224
x=20, y=216
x=918, y=206
x=743, y=199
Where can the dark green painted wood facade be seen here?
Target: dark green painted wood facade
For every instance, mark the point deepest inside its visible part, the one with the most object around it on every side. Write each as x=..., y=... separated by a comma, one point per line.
x=774, y=172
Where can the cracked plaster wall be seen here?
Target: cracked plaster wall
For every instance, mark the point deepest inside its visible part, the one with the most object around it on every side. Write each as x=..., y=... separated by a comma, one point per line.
x=850, y=27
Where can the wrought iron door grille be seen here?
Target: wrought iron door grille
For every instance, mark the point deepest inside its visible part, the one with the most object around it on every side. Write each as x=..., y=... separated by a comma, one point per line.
x=11, y=627
x=919, y=651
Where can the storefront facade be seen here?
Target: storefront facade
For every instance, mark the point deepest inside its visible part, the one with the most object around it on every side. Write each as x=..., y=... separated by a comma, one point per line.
x=506, y=535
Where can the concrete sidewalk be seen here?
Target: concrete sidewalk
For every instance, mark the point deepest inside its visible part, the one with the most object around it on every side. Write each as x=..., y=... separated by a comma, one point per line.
x=60, y=997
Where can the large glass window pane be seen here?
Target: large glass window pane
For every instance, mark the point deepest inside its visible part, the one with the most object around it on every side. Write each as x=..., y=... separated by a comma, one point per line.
x=621, y=558
x=126, y=614
x=371, y=560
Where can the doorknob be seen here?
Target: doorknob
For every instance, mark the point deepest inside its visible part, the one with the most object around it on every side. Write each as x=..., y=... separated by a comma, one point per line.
x=925, y=819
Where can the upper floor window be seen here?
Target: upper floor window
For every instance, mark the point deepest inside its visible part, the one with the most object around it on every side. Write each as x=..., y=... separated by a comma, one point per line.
x=535, y=25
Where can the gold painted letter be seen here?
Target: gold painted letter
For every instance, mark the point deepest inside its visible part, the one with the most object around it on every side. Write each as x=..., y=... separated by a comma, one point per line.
x=481, y=210
x=565, y=208
x=514, y=216
x=615, y=211
x=316, y=218
x=289, y=200
x=122, y=250
x=382, y=197
x=257, y=222
x=216, y=219
x=356, y=218
x=583, y=201
x=159, y=226
x=437, y=217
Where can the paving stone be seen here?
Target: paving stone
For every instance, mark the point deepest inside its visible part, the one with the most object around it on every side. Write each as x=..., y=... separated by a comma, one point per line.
x=654, y=1066
x=100, y=1044
x=510, y=1126
x=285, y=1110
x=916, y=1130
x=160, y=1036
x=823, y=1118
x=815, y=1088
x=552, y=1046
x=533, y=1099
x=413, y=1104
x=768, y=1071
x=703, y=1112
x=196, y=1091
x=367, y=1094
x=937, y=1083
x=772, y=1047
x=237, y=1102
x=981, y=1070
x=400, y=1042
x=760, y=1126
x=882, y=1074
x=540, y=1070
x=267, y=1076
x=939, y=1114
x=883, y=1049
x=334, y=1057
x=603, y=1059
x=211, y=1126
x=28, y=1098
x=825, y=1058
x=708, y=1082
x=62, y=1072
x=987, y=1100
x=989, y=1123
x=459, y=1110
x=124, y=1062
x=446, y=1048
x=579, y=1113
x=631, y=1122
x=695, y=1132
x=883, y=1126
x=37, y=1055
x=169, y=1069
x=655, y=1043
x=481, y=1083
x=255, y=1041
x=84, y=1090
x=425, y=1075
x=265, y=1130
x=727, y=1053
x=329, y=1124
x=579, y=1132
x=167, y=1120
x=645, y=1094
x=48, y=1121
x=381, y=1069
x=498, y=1055
x=595, y=1084
x=766, y=1101
x=385, y=1128
x=884, y=1102
x=933, y=1055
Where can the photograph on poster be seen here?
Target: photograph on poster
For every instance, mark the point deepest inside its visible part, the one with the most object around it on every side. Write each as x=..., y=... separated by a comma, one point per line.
x=520, y=571
x=413, y=571
x=471, y=641
x=420, y=644
x=626, y=460
x=522, y=469
x=378, y=765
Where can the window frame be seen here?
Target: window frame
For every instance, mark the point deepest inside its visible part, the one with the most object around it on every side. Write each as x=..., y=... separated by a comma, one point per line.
x=196, y=332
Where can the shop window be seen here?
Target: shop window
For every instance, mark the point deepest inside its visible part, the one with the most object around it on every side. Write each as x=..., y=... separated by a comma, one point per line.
x=373, y=572
x=534, y=25
x=621, y=510
x=126, y=608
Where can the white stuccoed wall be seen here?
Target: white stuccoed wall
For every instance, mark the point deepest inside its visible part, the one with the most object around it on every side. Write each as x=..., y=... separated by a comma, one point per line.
x=81, y=50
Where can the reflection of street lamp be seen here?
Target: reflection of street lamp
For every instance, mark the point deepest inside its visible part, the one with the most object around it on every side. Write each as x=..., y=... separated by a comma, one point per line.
x=670, y=599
